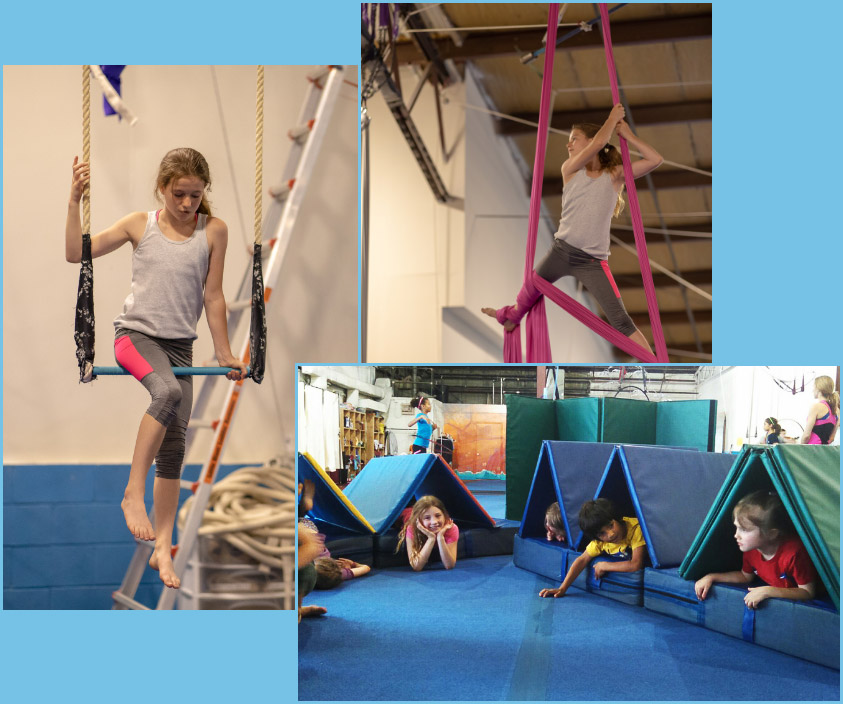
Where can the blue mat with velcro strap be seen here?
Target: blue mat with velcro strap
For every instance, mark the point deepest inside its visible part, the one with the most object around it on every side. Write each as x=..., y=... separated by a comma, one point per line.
x=809, y=629
x=625, y=587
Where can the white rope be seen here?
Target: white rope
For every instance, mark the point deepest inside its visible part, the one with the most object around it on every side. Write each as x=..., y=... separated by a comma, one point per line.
x=489, y=29
x=112, y=96
x=668, y=272
x=666, y=231
x=254, y=510
x=687, y=353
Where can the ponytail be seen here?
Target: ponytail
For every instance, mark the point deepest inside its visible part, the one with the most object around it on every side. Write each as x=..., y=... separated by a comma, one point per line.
x=775, y=424
x=825, y=385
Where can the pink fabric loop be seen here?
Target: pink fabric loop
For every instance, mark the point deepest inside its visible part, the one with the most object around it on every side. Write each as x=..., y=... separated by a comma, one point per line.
x=507, y=313
x=632, y=195
x=530, y=300
x=586, y=317
x=512, y=345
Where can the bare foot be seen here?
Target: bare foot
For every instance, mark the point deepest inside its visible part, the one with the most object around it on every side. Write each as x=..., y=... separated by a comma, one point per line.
x=311, y=611
x=162, y=562
x=134, y=512
x=508, y=325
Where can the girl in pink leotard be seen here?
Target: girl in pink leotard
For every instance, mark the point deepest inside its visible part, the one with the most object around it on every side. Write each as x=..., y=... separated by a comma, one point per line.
x=824, y=416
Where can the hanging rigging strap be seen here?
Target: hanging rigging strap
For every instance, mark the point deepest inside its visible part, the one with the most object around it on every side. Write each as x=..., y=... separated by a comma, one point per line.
x=634, y=207
x=257, y=330
x=530, y=299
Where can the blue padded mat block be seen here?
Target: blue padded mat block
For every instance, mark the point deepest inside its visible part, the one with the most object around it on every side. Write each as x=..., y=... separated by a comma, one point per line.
x=626, y=587
x=473, y=542
x=359, y=548
x=808, y=630
x=385, y=486
x=484, y=542
x=540, y=556
x=385, y=555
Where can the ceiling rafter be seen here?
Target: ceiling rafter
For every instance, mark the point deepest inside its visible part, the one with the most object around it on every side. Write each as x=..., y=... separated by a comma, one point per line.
x=649, y=31
x=654, y=114
x=663, y=179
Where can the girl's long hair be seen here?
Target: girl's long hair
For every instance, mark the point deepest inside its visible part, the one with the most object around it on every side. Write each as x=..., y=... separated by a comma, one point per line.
x=609, y=157
x=184, y=162
x=825, y=385
x=419, y=538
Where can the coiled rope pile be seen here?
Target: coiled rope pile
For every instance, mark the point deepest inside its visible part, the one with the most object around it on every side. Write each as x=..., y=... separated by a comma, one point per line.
x=254, y=510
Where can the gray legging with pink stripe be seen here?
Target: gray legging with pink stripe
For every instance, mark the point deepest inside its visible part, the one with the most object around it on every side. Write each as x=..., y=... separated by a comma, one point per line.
x=565, y=260
x=150, y=361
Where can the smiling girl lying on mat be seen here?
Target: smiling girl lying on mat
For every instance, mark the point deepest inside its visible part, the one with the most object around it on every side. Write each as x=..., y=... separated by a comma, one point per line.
x=426, y=526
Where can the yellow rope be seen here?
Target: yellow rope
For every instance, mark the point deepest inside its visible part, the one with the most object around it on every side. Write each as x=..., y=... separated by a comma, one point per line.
x=86, y=145
x=259, y=157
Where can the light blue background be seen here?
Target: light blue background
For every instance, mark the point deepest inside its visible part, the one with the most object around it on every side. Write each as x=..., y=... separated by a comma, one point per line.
x=776, y=281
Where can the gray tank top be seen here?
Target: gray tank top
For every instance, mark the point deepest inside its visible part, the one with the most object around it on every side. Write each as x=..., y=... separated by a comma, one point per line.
x=168, y=283
x=587, y=207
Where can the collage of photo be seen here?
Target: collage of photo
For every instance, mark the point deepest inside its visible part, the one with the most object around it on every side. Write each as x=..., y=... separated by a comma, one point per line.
x=412, y=358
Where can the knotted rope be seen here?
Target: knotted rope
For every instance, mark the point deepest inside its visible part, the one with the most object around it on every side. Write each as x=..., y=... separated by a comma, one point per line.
x=86, y=145
x=259, y=157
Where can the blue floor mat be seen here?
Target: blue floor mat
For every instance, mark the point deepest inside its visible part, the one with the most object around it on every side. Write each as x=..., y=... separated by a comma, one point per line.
x=480, y=632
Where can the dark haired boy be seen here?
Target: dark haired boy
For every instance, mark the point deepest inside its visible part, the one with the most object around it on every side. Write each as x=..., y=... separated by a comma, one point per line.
x=611, y=534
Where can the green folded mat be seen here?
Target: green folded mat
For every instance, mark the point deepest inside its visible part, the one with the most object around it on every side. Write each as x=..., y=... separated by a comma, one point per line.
x=807, y=478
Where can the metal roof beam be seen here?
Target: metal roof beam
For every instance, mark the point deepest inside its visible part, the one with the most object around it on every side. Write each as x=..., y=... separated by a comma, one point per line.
x=516, y=42
x=699, y=277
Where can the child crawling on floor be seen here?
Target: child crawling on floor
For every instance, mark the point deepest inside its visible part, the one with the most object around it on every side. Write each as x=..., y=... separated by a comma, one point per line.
x=611, y=534
x=771, y=552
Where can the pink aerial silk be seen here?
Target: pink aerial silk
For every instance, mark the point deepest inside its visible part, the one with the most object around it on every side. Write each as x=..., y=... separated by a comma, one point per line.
x=530, y=299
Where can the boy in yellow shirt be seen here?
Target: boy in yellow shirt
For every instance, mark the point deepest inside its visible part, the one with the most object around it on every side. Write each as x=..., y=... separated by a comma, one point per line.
x=612, y=534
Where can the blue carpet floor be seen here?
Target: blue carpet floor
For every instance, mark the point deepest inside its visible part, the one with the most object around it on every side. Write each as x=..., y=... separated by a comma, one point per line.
x=480, y=632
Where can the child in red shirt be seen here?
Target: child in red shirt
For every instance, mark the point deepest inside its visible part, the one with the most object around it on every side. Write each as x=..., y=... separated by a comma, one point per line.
x=770, y=551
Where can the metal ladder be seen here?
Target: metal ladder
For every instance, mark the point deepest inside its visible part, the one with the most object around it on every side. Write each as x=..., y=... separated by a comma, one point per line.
x=277, y=229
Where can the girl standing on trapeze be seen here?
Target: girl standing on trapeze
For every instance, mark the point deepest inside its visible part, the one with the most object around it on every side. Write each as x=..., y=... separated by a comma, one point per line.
x=593, y=181
x=177, y=268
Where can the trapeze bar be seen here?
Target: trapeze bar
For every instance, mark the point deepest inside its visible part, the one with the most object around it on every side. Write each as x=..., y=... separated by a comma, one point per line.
x=527, y=58
x=178, y=371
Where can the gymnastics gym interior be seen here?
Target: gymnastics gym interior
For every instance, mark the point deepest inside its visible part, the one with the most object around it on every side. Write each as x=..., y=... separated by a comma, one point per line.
x=674, y=446
x=451, y=106
x=67, y=445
